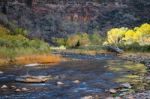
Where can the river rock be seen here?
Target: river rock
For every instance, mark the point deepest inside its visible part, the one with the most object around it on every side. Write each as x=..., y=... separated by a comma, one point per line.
x=18, y=90
x=76, y=81
x=109, y=98
x=130, y=97
x=117, y=98
x=148, y=78
x=113, y=91
x=126, y=85
x=13, y=87
x=1, y=72
x=87, y=97
x=4, y=87
x=25, y=89
x=60, y=83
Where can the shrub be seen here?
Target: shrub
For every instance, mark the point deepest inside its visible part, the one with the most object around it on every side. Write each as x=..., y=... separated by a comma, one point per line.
x=21, y=31
x=84, y=39
x=59, y=41
x=79, y=39
x=73, y=41
x=96, y=39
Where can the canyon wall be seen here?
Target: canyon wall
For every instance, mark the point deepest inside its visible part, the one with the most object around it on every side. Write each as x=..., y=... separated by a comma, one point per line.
x=59, y=18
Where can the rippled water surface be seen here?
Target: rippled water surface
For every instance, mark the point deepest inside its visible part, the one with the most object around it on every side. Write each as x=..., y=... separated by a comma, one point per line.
x=94, y=74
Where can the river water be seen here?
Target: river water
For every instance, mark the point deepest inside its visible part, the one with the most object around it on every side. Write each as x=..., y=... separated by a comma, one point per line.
x=83, y=75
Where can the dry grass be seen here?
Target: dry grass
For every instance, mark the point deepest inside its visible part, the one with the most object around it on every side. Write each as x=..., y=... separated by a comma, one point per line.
x=27, y=59
x=37, y=59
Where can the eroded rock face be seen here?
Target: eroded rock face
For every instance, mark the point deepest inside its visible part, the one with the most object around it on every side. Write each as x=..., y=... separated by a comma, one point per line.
x=58, y=18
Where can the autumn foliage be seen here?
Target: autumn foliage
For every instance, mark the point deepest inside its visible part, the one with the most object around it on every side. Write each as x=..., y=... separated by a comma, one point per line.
x=140, y=35
x=136, y=38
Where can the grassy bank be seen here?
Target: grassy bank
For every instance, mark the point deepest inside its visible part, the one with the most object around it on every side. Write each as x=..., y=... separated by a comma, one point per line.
x=17, y=48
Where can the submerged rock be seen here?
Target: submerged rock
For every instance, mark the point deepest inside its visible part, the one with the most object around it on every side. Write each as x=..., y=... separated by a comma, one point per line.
x=112, y=91
x=25, y=89
x=13, y=87
x=33, y=79
x=60, y=83
x=76, y=81
x=18, y=90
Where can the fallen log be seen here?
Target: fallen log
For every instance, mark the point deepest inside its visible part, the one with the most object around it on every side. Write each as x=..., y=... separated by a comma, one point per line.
x=114, y=49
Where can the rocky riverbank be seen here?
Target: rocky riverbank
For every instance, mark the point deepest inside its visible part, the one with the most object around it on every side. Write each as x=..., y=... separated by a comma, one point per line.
x=143, y=58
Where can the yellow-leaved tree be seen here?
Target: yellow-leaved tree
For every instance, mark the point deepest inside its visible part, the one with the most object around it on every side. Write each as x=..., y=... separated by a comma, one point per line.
x=144, y=34
x=130, y=37
x=140, y=35
x=115, y=35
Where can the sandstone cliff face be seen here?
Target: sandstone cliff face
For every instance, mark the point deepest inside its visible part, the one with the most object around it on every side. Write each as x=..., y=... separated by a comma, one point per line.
x=59, y=18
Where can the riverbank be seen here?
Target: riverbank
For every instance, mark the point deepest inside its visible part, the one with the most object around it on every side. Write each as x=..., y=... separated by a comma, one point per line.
x=138, y=57
x=82, y=52
x=143, y=58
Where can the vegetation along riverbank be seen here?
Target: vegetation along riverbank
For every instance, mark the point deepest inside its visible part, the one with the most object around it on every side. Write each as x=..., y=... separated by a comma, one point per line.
x=17, y=48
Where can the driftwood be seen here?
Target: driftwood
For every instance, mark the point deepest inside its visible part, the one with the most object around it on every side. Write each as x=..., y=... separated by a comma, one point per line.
x=33, y=79
x=114, y=49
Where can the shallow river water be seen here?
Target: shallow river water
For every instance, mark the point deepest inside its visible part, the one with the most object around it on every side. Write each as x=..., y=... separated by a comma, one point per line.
x=79, y=77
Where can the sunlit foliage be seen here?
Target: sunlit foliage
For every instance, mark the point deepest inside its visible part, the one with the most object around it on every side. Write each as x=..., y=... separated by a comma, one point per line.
x=79, y=39
x=137, y=37
x=140, y=35
x=115, y=35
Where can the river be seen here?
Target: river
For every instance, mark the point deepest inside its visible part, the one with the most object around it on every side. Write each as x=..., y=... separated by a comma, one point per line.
x=81, y=76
